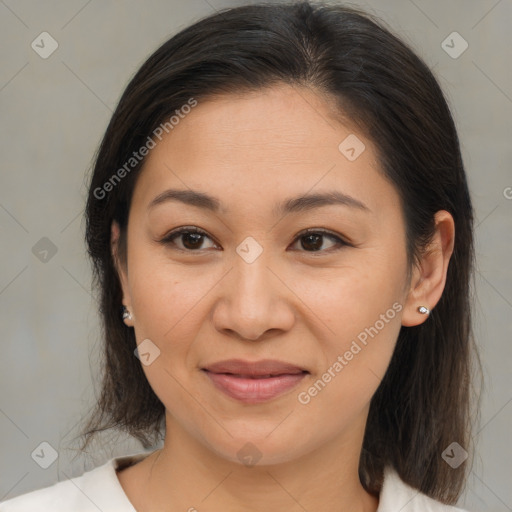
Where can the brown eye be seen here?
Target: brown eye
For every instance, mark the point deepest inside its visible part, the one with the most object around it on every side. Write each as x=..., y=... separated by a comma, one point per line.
x=312, y=240
x=191, y=239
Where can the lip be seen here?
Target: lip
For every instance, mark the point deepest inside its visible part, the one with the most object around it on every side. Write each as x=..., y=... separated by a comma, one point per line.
x=254, y=390
x=254, y=368
x=254, y=382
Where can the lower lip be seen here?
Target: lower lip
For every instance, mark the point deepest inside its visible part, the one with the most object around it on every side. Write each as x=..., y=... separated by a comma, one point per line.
x=254, y=391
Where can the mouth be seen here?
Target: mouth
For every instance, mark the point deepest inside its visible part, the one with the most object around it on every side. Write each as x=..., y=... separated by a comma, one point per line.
x=254, y=382
x=256, y=376
x=258, y=369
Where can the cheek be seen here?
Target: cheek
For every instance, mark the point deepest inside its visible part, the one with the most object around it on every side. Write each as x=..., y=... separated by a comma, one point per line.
x=359, y=308
x=168, y=303
x=352, y=296
x=355, y=368
x=167, y=296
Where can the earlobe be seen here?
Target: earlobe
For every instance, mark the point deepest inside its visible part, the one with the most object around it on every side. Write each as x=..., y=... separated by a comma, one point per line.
x=429, y=277
x=127, y=316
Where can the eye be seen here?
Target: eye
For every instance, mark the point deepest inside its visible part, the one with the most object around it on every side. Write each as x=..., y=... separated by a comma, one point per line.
x=192, y=239
x=312, y=240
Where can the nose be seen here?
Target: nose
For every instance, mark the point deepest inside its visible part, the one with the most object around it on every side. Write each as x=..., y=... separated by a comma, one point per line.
x=254, y=302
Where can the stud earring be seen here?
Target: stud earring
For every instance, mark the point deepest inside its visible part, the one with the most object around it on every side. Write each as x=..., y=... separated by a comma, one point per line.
x=126, y=314
x=424, y=310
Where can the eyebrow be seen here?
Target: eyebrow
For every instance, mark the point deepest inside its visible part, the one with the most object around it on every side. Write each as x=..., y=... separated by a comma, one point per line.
x=292, y=205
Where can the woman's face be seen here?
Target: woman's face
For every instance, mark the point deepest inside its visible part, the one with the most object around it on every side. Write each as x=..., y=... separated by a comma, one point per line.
x=254, y=286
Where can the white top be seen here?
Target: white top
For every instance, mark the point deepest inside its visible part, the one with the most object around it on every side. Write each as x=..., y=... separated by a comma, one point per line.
x=100, y=489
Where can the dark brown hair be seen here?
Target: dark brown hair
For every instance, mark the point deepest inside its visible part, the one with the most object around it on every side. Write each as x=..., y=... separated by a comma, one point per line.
x=424, y=402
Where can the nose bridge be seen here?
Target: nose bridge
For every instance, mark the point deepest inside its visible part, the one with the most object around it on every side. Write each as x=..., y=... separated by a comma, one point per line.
x=251, y=302
x=254, y=284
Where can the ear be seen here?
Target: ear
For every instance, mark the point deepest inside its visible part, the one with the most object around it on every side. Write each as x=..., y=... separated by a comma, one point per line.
x=429, y=277
x=121, y=271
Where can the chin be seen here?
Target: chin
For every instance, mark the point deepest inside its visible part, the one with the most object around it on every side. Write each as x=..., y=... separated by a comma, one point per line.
x=270, y=447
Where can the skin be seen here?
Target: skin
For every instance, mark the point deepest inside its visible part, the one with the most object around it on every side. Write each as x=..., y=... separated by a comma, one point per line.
x=292, y=303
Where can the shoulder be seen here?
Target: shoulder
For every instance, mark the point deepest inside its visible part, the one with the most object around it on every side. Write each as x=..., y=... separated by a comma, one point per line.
x=397, y=495
x=98, y=489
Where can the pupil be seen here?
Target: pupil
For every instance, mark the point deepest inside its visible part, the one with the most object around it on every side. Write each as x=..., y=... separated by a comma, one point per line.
x=314, y=247
x=196, y=238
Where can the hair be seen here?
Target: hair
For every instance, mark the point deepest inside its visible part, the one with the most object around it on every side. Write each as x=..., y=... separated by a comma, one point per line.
x=424, y=402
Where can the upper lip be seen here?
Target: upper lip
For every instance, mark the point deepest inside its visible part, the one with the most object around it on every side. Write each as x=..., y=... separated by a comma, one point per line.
x=254, y=368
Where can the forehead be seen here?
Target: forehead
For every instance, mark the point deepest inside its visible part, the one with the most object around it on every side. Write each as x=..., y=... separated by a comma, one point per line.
x=272, y=119
x=278, y=142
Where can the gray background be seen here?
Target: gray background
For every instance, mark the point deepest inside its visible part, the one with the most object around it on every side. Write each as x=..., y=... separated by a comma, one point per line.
x=54, y=112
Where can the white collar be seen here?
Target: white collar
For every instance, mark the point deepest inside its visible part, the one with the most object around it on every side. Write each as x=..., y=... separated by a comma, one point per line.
x=395, y=495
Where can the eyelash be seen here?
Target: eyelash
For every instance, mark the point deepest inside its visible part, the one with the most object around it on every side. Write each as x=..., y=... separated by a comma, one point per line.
x=169, y=239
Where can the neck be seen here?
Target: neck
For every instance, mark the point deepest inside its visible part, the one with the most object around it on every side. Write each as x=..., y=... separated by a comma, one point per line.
x=186, y=475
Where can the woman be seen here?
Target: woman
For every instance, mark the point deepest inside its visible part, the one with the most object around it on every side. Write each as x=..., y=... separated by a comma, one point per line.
x=282, y=237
